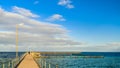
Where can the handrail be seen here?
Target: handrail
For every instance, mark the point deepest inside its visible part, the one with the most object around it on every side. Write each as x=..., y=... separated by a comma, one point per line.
x=37, y=62
x=44, y=64
x=12, y=63
x=20, y=59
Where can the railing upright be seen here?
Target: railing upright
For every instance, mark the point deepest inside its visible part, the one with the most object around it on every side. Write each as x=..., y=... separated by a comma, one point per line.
x=45, y=63
x=8, y=64
x=49, y=66
x=12, y=64
x=3, y=65
x=56, y=65
x=41, y=64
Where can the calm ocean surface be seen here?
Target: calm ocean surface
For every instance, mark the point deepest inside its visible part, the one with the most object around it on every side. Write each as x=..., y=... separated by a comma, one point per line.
x=110, y=60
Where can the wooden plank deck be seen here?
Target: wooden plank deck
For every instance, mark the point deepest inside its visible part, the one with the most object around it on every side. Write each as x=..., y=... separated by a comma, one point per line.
x=28, y=62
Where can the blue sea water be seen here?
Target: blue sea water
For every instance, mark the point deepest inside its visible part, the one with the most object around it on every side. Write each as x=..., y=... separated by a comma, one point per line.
x=10, y=54
x=107, y=62
x=106, y=54
x=110, y=60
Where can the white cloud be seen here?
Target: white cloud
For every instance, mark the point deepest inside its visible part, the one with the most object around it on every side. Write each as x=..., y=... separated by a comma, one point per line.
x=41, y=36
x=33, y=34
x=114, y=43
x=21, y=24
x=106, y=47
x=66, y=3
x=56, y=17
x=36, y=2
x=70, y=6
x=24, y=12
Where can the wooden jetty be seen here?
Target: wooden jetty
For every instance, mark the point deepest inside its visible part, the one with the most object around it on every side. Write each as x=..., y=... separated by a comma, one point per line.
x=28, y=62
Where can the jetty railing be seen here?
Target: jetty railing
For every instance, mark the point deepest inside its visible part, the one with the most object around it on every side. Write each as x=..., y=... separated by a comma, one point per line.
x=46, y=64
x=5, y=64
x=16, y=61
x=11, y=63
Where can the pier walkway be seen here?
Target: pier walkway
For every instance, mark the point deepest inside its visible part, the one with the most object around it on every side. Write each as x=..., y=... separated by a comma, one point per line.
x=28, y=62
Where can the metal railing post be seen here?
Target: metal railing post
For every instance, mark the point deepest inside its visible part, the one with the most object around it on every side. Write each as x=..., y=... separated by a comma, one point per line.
x=3, y=65
x=12, y=64
x=49, y=65
x=45, y=64
x=56, y=65
x=8, y=64
x=40, y=62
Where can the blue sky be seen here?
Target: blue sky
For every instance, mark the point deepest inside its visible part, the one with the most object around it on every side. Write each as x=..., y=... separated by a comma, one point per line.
x=94, y=22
